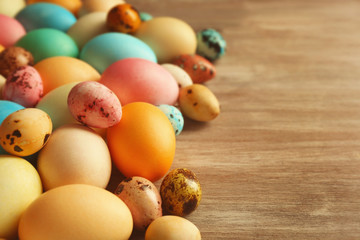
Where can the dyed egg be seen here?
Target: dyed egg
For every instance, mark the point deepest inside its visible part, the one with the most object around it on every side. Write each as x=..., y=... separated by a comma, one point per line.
x=46, y=42
x=2, y=84
x=143, y=142
x=95, y=105
x=175, y=117
x=11, y=30
x=45, y=15
x=12, y=58
x=74, y=154
x=172, y=228
x=168, y=37
x=25, y=131
x=199, y=69
x=1, y=48
x=123, y=18
x=58, y=71
x=71, y=5
x=136, y=79
x=88, y=27
x=198, y=103
x=76, y=212
x=11, y=7
x=90, y=6
x=180, y=192
x=20, y=185
x=210, y=44
x=143, y=200
x=103, y=50
x=144, y=16
x=182, y=78
x=24, y=86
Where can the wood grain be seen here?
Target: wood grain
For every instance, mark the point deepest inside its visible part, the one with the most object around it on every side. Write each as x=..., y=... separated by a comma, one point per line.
x=282, y=161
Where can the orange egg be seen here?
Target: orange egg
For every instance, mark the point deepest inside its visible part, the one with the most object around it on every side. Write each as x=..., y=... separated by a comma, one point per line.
x=143, y=142
x=123, y=18
x=71, y=5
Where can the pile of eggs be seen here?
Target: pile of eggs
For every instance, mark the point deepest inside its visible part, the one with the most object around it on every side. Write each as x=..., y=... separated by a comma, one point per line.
x=90, y=84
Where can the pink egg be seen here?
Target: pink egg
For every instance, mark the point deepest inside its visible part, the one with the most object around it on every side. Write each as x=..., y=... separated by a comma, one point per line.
x=140, y=80
x=11, y=30
x=24, y=86
x=95, y=105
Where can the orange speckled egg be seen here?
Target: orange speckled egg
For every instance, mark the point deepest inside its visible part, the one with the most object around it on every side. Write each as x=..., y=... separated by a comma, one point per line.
x=143, y=142
x=71, y=5
x=123, y=18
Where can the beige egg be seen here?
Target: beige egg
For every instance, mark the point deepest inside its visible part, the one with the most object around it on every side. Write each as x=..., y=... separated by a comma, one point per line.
x=97, y=6
x=182, y=78
x=74, y=154
x=2, y=84
x=172, y=228
x=11, y=7
x=198, y=103
x=76, y=212
x=168, y=37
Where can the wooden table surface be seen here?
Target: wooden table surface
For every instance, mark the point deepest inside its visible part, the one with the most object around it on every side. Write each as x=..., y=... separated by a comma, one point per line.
x=282, y=161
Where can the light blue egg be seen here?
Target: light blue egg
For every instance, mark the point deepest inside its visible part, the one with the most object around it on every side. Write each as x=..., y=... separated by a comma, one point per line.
x=105, y=49
x=210, y=44
x=144, y=16
x=175, y=117
x=45, y=15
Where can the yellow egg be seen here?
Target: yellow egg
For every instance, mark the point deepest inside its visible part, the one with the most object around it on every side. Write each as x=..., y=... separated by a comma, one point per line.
x=1, y=48
x=76, y=212
x=97, y=6
x=2, y=83
x=168, y=37
x=71, y=5
x=11, y=7
x=25, y=131
x=19, y=185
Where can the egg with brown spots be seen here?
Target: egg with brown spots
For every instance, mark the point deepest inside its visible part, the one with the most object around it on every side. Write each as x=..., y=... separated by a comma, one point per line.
x=180, y=192
x=25, y=131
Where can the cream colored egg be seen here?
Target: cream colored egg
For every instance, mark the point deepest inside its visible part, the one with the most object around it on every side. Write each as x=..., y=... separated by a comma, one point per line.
x=19, y=185
x=182, y=78
x=2, y=83
x=97, y=6
x=168, y=37
x=74, y=154
x=76, y=212
x=11, y=7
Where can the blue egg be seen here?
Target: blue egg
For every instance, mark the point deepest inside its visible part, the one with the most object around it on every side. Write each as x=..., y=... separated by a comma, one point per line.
x=144, y=16
x=105, y=49
x=45, y=15
x=210, y=44
x=175, y=117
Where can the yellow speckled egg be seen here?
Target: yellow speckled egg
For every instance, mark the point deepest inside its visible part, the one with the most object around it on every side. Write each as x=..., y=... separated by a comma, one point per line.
x=25, y=131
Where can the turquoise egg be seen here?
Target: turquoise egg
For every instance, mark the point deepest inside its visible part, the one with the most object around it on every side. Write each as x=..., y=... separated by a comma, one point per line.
x=210, y=44
x=144, y=16
x=105, y=49
x=47, y=42
x=45, y=15
x=175, y=117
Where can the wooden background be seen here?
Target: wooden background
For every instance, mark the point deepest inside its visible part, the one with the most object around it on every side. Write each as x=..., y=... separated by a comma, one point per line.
x=282, y=161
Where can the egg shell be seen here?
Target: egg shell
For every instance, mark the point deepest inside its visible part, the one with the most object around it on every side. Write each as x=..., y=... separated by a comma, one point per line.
x=182, y=78
x=168, y=37
x=11, y=7
x=74, y=154
x=175, y=117
x=94, y=105
x=58, y=71
x=20, y=184
x=24, y=86
x=11, y=30
x=199, y=69
x=140, y=80
x=210, y=44
x=144, y=16
x=142, y=198
x=25, y=131
x=103, y=50
x=76, y=212
x=172, y=228
x=47, y=42
x=12, y=58
x=71, y=5
x=143, y=142
x=88, y=27
x=45, y=15
x=90, y=6
x=198, y=103
x=123, y=18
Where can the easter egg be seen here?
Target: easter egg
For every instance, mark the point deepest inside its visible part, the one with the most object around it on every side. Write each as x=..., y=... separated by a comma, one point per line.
x=90, y=6
x=76, y=212
x=11, y=7
x=45, y=15
x=12, y=58
x=11, y=30
x=123, y=18
x=20, y=185
x=57, y=71
x=136, y=79
x=144, y=16
x=210, y=44
x=72, y=5
x=175, y=117
x=168, y=37
x=182, y=78
x=143, y=142
x=1, y=48
x=46, y=42
x=2, y=84
x=103, y=50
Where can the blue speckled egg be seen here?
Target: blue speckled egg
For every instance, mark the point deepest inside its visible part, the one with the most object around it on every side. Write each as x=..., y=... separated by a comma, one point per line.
x=175, y=117
x=144, y=16
x=210, y=44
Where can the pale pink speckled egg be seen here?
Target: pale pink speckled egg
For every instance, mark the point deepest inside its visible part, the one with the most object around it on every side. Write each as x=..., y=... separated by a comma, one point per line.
x=24, y=86
x=95, y=105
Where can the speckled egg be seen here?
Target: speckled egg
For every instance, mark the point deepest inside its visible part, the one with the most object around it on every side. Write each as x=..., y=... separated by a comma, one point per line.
x=210, y=44
x=144, y=16
x=182, y=78
x=142, y=198
x=25, y=131
x=24, y=86
x=123, y=18
x=175, y=117
x=180, y=192
x=199, y=69
x=12, y=58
